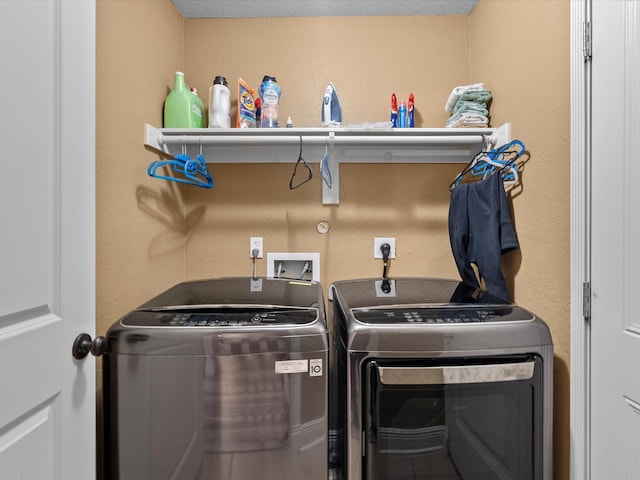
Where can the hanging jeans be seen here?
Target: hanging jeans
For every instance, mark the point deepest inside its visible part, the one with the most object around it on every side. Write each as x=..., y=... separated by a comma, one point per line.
x=480, y=231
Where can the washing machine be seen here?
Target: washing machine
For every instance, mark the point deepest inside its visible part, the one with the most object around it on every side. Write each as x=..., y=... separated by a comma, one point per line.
x=219, y=379
x=436, y=379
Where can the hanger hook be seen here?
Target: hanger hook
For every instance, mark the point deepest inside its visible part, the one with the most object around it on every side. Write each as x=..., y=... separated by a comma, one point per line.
x=486, y=143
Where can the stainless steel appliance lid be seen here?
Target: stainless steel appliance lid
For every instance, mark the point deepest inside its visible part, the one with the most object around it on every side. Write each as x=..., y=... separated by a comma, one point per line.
x=365, y=293
x=239, y=291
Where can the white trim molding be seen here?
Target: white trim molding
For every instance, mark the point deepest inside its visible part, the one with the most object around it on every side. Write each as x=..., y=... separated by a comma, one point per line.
x=580, y=239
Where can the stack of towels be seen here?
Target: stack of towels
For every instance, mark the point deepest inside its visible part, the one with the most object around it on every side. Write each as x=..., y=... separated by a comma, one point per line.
x=468, y=106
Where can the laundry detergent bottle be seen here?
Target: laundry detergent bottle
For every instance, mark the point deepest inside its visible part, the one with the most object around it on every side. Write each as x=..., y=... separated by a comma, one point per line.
x=219, y=104
x=182, y=108
x=270, y=99
x=177, y=105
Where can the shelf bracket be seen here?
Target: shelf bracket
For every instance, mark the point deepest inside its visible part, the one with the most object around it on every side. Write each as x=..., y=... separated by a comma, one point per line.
x=152, y=137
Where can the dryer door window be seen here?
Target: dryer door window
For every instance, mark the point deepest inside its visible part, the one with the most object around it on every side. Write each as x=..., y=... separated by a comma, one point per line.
x=477, y=418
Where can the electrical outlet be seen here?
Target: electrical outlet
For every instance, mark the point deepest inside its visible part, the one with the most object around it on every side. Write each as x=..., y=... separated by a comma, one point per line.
x=255, y=243
x=379, y=241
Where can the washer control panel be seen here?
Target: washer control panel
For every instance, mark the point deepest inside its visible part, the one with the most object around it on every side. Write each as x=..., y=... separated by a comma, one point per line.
x=220, y=317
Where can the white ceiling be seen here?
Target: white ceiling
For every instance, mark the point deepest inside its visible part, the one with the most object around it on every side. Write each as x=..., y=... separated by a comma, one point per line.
x=320, y=8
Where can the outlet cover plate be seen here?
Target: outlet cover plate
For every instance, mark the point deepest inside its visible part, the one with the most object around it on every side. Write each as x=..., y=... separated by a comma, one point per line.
x=379, y=241
x=255, y=243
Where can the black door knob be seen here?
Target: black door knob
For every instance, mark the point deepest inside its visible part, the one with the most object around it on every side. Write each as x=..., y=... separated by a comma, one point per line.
x=83, y=346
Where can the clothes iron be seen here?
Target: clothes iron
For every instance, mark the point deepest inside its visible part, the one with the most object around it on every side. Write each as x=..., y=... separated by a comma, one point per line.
x=331, y=108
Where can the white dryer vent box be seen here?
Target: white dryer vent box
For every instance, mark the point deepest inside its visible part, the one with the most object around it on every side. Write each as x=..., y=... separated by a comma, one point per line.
x=294, y=266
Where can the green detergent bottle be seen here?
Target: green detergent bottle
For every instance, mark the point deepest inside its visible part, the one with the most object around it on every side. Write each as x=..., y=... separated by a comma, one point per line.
x=179, y=111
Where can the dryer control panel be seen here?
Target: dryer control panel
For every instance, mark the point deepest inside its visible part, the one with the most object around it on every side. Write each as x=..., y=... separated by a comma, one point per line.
x=433, y=316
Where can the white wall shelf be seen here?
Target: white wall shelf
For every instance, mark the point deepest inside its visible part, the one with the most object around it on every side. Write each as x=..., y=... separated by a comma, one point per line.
x=344, y=145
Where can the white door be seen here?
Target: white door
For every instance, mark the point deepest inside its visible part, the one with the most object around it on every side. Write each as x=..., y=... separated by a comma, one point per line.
x=615, y=255
x=47, y=254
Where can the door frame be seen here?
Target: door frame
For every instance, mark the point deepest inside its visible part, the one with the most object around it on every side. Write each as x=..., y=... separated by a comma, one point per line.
x=580, y=242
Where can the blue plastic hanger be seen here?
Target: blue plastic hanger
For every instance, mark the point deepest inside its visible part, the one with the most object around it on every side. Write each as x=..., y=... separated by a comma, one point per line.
x=504, y=156
x=502, y=159
x=192, y=171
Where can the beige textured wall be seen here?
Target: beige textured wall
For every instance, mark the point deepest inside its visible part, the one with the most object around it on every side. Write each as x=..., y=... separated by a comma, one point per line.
x=526, y=64
x=140, y=241
x=139, y=221
x=141, y=245
x=408, y=202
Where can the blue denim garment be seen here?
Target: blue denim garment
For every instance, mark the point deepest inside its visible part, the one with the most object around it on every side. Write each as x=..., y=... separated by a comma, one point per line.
x=481, y=231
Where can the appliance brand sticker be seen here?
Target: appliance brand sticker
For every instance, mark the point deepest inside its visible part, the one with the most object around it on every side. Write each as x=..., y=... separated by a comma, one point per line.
x=315, y=367
x=292, y=366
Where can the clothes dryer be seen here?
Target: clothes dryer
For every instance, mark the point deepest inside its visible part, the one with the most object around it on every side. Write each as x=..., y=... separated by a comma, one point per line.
x=438, y=380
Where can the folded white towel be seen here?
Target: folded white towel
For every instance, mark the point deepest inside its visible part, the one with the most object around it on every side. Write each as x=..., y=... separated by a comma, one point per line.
x=467, y=119
x=456, y=92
